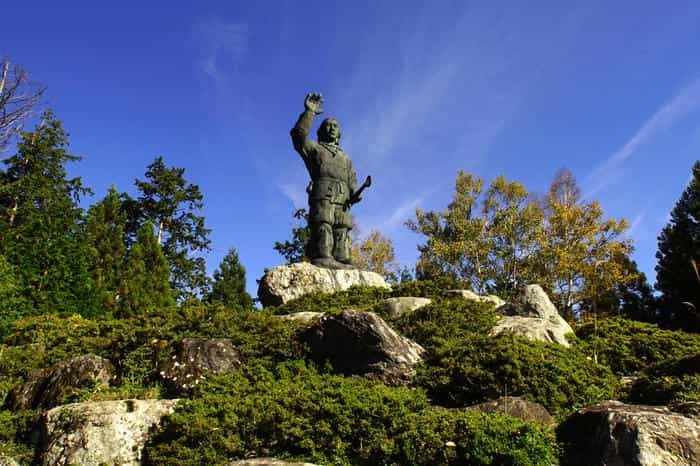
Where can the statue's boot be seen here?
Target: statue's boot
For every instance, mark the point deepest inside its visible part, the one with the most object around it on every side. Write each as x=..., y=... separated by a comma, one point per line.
x=341, y=248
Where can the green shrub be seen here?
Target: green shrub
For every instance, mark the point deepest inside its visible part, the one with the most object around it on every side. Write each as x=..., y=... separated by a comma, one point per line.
x=668, y=382
x=429, y=288
x=629, y=346
x=469, y=370
x=291, y=411
x=16, y=440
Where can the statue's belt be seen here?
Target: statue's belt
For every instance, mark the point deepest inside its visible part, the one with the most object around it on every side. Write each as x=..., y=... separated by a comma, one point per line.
x=328, y=187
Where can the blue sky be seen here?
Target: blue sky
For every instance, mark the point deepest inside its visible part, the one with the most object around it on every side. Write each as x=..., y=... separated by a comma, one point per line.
x=609, y=90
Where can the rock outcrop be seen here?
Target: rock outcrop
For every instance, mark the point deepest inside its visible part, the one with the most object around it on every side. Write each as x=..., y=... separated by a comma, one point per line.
x=396, y=307
x=614, y=433
x=305, y=316
x=195, y=357
x=267, y=462
x=517, y=407
x=103, y=432
x=361, y=343
x=468, y=294
x=532, y=315
x=46, y=388
x=284, y=283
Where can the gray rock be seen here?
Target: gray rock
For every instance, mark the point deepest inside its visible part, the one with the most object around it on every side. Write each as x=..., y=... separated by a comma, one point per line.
x=103, y=432
x=284, y=283
x=468, y=294
x=45, y=388
x=195, y=357
x=532, y=315
x=361, y=343
x=517, y=407
x=404, y=305
x=266, y=462
x=614, y=433
x=305, y=316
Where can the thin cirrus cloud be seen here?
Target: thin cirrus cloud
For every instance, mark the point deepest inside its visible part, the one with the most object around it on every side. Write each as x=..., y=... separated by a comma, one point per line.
x=219, y=43
x=680, y=106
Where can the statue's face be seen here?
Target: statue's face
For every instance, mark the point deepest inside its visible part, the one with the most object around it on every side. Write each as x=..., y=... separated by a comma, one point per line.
x=329, y=131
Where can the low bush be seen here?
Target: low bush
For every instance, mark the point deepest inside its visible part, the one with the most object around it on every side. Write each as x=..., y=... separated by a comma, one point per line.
x=629, y=346
x=291, y=411
x=668, y=382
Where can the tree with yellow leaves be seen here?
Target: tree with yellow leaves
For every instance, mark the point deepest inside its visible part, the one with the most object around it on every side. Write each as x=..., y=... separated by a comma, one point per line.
x=376, y=253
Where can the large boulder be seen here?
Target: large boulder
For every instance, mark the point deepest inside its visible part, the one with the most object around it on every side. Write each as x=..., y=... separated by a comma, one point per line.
x=614, y=433
x=395, y=307
x=468, y=294
x=103, y=432
x=517, y=407
x=532, y=315
x=284, y=283
x=361, y=343
x=46, y=388
x=195, y=357
x=304, y=316
x=266, y=462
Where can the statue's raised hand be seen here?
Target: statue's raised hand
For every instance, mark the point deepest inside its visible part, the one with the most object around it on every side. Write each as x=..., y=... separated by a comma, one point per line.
x=313, y=103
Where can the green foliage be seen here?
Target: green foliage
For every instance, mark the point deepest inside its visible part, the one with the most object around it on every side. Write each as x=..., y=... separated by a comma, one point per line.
x=677, y=271
x=294, y=250
x=229, y=284
x=171, y=204
x=146, y=284
x=465, y=366
x=12, y=305
x=292, y=411
x=106, y=230
x=628, y=346
x=41, y=234
x=667, y=382
x=15, y=435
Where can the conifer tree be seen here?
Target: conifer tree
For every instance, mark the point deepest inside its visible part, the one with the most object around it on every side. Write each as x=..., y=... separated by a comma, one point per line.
x=678, y=266
x=41, y=230
x=229, y=284
x=171, y=204
x=12, y=305
x=145, y=285
x=106, y=230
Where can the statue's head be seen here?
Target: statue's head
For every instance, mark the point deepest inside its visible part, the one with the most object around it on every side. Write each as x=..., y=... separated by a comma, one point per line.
x=329, y=131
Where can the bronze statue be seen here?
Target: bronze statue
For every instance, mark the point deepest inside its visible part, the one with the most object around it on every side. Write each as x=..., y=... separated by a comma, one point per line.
x=333, y=188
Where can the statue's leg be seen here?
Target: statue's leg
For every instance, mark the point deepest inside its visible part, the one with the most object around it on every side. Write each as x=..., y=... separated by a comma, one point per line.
x=320, y=221
x=341, y=248
x=341, y=235
x=322, y=240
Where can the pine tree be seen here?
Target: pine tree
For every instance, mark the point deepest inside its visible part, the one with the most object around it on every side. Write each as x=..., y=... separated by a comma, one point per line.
x=41, y=230
x=171, y=203
x=229, y=284
x=106, y=230
x=12, y=305
x=145, y=285
x=678, y=267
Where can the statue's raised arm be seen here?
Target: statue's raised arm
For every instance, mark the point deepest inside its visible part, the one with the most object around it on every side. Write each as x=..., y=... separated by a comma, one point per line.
x=333, y=188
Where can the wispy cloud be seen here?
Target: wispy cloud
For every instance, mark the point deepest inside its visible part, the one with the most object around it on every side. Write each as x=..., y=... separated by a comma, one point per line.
x=684, y=103
x=295, y=193
x=221, y=44
x=637, y=221
x=390, y=222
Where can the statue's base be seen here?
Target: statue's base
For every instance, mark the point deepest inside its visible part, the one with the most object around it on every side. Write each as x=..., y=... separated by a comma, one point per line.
x=286, y=282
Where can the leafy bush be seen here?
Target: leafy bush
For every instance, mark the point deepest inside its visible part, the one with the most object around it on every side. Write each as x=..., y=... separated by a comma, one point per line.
x=629, y=346
x=465, y=366
x=292, y=411
x=668, y=382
